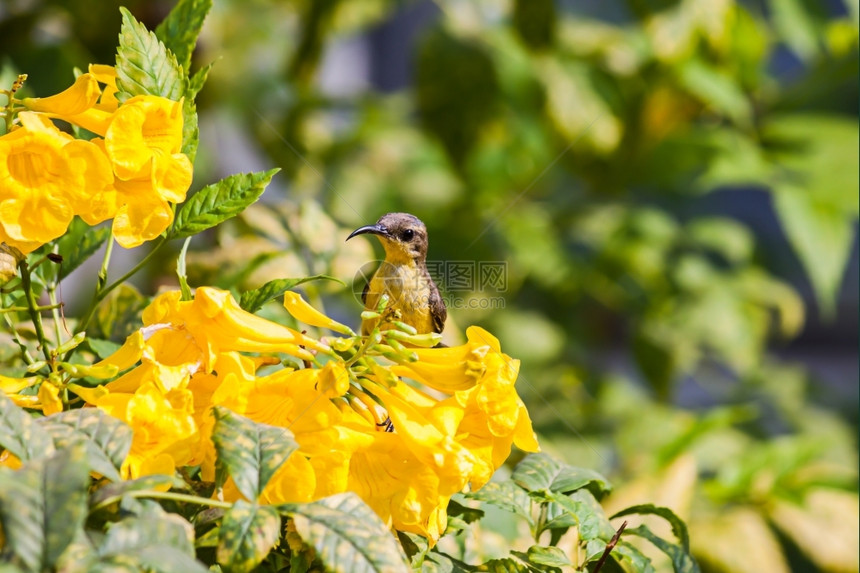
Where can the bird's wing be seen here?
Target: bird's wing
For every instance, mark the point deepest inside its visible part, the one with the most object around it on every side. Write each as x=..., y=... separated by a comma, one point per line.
x=437, y=309
x=364, y=293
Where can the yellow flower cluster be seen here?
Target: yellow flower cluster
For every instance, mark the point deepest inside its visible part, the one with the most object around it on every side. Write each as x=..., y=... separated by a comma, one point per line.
x=130, y=173
x=360, y=426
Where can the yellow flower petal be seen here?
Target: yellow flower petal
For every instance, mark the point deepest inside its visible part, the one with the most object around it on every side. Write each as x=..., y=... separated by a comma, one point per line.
x=304, y=312
x=78, y=98
x=142, y=217
x=140, y=126
x=333, y=379
x=106, y=75
x=14, y=385
x=49, y=396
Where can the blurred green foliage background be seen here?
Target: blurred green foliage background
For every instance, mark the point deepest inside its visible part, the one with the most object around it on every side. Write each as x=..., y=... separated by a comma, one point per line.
x=673, y=186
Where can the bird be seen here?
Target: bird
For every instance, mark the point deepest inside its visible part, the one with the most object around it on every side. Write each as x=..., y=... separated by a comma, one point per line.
x=403, y=275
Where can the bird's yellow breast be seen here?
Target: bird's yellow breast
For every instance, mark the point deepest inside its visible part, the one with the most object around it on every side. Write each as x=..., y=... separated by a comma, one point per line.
x=408, y=291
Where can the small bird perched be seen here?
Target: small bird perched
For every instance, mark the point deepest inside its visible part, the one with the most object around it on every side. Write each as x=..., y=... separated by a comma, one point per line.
x=403, y=275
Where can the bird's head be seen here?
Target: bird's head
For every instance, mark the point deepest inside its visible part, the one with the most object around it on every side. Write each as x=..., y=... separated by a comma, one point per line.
x=403, y=236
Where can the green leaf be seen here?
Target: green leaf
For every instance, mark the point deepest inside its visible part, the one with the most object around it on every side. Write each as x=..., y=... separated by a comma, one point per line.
x=253, y=300
x=179, y=30
x=190, y=129
x=103, y=348
x=628, y=552
x=592, y=521
x=796, y=26
x=152, y=540
x=548, y=556
x=415, y=546
x=78, y=244
x=250, y=452
x=679, y=528
x=541, y=472
x=347, y=535
x=218, y=202
x=437, y=562
x=42, y=507
x=726, y=237
x=507, y=565
x=107, y=439
x=248, y=532
x=198, y=80
x=506, y=495
x=682, y=561
x=20, y=434
x=119, y=314
x=144, y=66
x=181, y=273
x=464, y=512
x=717, y=89
x=815, y=193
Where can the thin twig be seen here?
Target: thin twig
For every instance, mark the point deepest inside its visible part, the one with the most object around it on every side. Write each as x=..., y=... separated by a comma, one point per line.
x=609, y=547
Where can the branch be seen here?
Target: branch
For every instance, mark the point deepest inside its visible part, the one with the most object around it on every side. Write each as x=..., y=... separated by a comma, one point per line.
x=609, y=547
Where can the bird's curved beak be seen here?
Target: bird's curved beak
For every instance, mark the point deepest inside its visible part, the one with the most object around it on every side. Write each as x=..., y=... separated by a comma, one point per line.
x=371, y=229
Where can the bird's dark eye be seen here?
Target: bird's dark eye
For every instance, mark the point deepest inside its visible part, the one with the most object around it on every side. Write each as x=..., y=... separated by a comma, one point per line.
x=407, y=235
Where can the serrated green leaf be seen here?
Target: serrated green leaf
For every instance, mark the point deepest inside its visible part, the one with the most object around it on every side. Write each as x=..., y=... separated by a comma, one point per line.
x=198, y=80
x=107, y=439
x=118, y=489
x=347, y=535
x=679, y=528
x=151, y=540
x=541, y=472
x=190, y=129
x=250, y=452
x=179, y=30
x=253, y=300
x=20, y=434
x=682, y=561
x=42, y=507
x=220, y=201
x=248, y=532
x=506, y=495
x=144, y=66
x=78, y=244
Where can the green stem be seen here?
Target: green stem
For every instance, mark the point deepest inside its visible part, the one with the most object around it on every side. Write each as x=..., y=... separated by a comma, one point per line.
x=103, y=291
x=371, y=340
x=25, y=353
x=55, y=311
x=32, y=307
x=164, y=495
x=541, y=522
x=23, y=308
